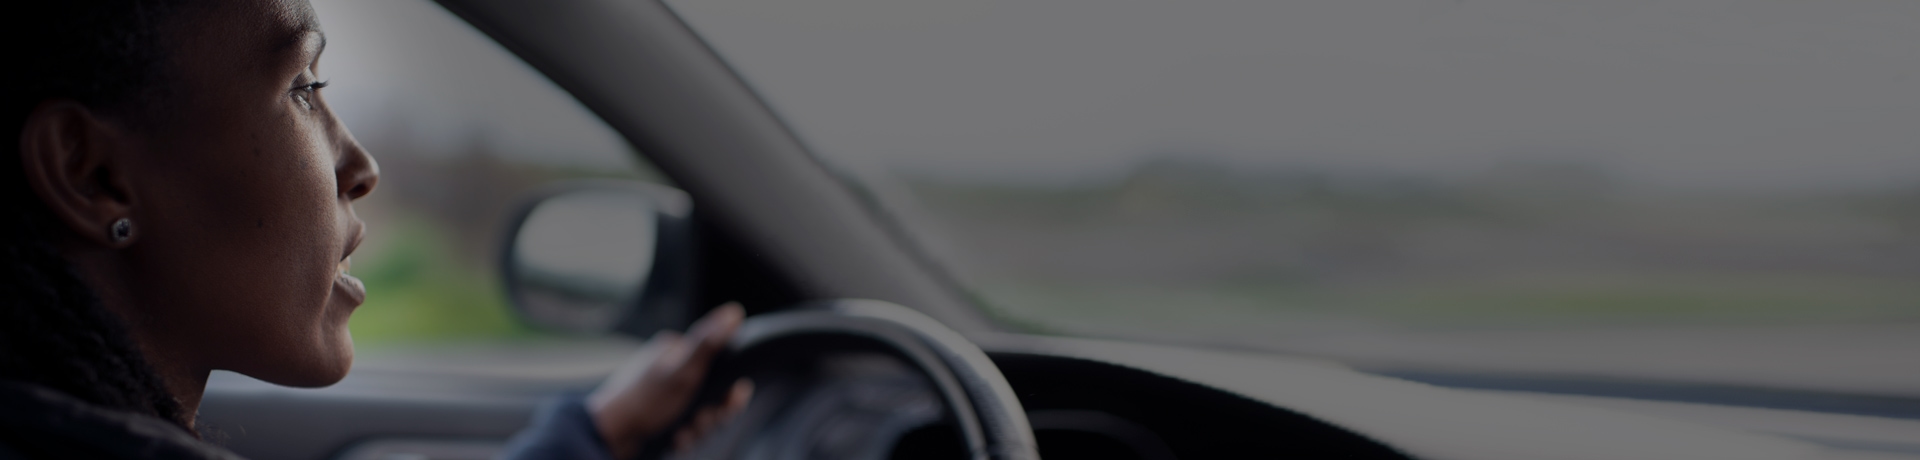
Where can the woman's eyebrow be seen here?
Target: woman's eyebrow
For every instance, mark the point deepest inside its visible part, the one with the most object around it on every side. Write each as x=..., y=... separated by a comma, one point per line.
x=318, y=48
x=304, y=40
x=304, y=46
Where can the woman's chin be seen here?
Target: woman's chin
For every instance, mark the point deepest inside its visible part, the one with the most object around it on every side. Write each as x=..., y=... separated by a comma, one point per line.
x=307, y=378
x=318, y=368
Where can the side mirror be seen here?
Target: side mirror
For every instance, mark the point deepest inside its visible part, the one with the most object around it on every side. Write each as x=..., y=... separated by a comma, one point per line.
x=595, y=257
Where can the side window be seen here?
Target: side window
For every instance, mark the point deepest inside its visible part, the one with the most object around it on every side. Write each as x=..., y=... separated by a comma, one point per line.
x=462, y=129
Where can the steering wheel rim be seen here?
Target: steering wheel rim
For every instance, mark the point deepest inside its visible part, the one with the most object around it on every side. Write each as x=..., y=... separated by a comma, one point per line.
x=992, y=424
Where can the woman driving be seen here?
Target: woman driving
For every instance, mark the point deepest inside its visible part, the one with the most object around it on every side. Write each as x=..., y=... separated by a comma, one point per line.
x=179, y=201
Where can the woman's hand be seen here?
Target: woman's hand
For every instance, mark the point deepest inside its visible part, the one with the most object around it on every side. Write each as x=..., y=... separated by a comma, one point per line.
x=655, y=386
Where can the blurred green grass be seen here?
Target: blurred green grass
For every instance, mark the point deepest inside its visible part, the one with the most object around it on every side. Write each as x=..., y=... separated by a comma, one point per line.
x=419, y=291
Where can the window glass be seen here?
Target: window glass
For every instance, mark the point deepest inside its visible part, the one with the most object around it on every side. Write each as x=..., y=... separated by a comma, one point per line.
x=462, y=130
x=1698, y=189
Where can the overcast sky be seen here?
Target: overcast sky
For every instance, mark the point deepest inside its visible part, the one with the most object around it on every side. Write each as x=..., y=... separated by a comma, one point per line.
x=1680, y=92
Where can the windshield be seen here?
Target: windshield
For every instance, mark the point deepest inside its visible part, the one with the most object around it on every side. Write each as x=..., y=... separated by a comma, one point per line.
x=1695, y=189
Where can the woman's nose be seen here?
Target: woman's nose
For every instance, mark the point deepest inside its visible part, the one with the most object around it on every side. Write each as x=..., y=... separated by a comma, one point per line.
x=357, y=172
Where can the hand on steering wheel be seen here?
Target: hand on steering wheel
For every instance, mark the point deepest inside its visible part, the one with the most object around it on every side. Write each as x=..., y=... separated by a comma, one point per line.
x=649, y=393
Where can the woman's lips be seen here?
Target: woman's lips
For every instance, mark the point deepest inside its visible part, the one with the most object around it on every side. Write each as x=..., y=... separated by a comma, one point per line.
x=355, y=291
x=349, y=286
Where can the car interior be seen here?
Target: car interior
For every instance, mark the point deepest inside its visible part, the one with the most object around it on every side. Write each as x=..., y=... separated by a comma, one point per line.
x=863, y=344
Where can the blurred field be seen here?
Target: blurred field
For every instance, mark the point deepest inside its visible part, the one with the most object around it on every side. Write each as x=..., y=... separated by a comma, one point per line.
x=1207, y=250
x=435, y=230
x=418, y=291
x=1551, y=270
x=1522, y=246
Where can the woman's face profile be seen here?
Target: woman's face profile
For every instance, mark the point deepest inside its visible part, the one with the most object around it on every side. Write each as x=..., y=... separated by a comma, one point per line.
x=241, y=194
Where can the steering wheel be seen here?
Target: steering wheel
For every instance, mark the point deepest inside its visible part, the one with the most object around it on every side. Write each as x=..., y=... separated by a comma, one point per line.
x=863, y=380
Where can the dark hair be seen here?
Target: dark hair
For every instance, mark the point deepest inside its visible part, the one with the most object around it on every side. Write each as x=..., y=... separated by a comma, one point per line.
x=110, y=56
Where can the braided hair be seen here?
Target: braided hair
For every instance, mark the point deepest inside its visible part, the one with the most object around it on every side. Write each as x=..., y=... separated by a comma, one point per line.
x=54, y=331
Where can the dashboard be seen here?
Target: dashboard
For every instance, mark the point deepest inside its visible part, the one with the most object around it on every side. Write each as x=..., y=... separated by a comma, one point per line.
x=1088, y=409
x=873, y=406
x=1084, y=399
x=847, y=405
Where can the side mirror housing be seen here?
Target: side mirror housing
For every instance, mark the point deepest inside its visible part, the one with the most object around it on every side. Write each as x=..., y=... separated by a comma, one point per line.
x=598, y=257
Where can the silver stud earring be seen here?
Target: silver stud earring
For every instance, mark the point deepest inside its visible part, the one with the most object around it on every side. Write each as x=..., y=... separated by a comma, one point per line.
x=121, y=230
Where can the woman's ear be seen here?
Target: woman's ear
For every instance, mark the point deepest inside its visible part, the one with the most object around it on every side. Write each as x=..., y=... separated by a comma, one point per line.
x=74, y=159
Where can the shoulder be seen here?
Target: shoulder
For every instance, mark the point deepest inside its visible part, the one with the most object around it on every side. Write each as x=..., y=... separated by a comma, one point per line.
x=562, y=428
x=37, y=422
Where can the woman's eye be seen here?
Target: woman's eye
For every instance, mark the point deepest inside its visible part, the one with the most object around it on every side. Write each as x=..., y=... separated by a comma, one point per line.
x=304, y=93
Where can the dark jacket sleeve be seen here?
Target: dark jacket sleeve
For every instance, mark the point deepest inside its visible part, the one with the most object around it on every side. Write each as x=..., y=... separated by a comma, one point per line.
x=561, y=430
